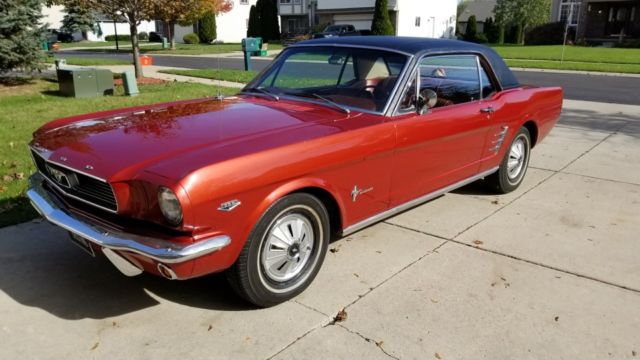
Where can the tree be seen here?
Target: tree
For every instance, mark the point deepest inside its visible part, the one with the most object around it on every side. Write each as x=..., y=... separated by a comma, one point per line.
x=471, y=33
x=523, y=14
x=381, y=22
x=78, y=19
x=207, y=29
x=491, y=30
x=267, y=11
x=253, y=29
x=185, y=12
x=20, y=35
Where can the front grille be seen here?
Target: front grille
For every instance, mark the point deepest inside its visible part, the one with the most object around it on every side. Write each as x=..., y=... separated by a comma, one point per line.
x=92, y=191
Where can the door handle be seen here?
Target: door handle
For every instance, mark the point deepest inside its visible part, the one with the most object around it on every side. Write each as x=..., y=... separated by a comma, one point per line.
x=488, y=110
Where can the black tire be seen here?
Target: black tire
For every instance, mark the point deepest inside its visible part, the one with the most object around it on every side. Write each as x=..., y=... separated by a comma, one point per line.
x=501, y=181
x=258, y=283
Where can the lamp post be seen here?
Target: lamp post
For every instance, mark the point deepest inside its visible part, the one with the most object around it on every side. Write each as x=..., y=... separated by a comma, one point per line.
x=115, y=30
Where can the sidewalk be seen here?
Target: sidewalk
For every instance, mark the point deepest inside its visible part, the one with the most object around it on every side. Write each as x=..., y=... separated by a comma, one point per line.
x=154, y=73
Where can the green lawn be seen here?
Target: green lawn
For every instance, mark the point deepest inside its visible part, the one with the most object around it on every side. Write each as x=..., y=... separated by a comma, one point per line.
x=87, y=61
x=575, y=66
x=239, y=76
x=77, y=44
x=575, y=58
x=24, y=108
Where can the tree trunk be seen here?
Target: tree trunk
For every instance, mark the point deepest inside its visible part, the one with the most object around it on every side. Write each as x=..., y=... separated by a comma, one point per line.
x=501, y=34
x=172, y=38
x=135, y=44
x=520, y=32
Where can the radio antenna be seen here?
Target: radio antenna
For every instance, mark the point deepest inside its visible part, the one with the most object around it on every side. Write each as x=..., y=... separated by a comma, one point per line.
x=219, y=96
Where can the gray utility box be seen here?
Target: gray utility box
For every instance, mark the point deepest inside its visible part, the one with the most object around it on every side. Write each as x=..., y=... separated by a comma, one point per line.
x=85, y=82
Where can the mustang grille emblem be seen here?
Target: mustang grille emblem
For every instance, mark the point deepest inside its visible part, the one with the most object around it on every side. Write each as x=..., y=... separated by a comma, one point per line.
x=66, y=180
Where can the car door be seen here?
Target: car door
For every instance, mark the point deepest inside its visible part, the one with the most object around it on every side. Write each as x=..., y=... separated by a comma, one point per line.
x=446, y=144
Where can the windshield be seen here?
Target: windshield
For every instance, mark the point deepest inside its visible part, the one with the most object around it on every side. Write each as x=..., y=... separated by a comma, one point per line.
x=360, y=79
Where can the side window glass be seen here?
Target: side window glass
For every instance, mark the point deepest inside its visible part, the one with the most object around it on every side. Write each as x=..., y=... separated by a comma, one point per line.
x=453, y=79
x=348, y=73
x=487, y=88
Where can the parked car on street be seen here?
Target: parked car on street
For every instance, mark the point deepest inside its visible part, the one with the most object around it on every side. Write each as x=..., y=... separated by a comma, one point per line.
x=335, y=135
x=337, y=30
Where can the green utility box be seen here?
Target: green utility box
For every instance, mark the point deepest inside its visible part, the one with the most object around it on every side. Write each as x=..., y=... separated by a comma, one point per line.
x=85, y=82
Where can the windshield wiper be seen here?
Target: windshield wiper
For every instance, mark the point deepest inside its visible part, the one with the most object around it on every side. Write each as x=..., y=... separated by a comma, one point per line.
x=332, y=103
x=261, y=91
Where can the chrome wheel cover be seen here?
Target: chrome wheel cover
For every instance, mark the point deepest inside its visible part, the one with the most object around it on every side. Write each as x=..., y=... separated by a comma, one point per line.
x=517, y=158
x=287, y=247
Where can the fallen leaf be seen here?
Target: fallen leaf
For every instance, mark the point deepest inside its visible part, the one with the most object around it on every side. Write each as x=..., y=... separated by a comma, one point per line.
x=379, y=343
x=210, y=327
x=14, y=164
x=557, y=318
x=3, y=189
x=95, y=346
x=114, y=324
x=495, y=202
x=478, y=242
x=356, y=275
x=7, y=178
x=437, y=356
x=493, y=284
x=11, y=144
x=502, y=278
x=379, y=252
x=18, y=176
x=334, y=250
x=434, y=301
x=633, y=353
x=341, y=316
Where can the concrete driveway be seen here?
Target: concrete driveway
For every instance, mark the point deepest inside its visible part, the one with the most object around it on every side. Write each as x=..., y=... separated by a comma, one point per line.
x=551, y=271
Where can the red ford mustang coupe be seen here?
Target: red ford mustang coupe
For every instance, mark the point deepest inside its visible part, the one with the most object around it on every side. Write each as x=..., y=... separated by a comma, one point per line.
x=335, y=135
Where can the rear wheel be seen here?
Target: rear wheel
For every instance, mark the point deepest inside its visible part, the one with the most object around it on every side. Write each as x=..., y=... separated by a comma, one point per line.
x=514, y=165
x=284, y=252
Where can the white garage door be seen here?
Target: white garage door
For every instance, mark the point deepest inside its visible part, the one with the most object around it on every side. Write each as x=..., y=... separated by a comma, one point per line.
x=360, y=21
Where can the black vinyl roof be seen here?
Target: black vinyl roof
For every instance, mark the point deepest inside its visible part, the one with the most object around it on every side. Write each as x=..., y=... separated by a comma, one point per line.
x=420, y=46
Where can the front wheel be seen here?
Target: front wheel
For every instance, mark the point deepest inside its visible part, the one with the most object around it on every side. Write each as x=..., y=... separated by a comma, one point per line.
x=284, y=252
x=514, y=164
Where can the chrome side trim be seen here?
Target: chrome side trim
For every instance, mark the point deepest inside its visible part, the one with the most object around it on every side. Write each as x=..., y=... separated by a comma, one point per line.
x=411, y=203
x=153, y=248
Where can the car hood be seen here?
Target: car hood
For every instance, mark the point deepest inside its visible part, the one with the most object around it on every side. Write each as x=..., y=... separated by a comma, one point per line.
x=116, y=145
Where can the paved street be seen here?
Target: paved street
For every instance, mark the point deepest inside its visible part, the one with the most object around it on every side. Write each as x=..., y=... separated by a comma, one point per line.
x=600, y=88
x=551, y=271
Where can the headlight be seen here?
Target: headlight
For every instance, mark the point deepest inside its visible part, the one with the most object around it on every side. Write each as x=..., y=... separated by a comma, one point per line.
x=170, y=206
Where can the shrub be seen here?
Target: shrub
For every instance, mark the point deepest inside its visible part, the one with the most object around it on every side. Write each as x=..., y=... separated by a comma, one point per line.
x=143, y=36
x=120, y=38
x=207, y=29
x=548, y=34
x=155, y=37
x=191, y=38
x=629, y=44
x=491, y=30
x=471, y=32
x=381, y=24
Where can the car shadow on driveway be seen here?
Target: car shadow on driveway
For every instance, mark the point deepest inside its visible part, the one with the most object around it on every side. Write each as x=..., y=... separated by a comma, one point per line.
x=40, y=268
x=592, y=120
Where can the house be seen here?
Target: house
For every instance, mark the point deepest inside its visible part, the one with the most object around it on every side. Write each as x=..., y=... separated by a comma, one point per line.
x=231, y=27
x=600, y=21
x=297, y=16
x=53, y=15
x=424, y=18
x=482, y=9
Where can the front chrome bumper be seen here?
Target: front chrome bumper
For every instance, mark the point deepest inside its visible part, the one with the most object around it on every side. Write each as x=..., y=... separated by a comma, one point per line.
x=157, y=249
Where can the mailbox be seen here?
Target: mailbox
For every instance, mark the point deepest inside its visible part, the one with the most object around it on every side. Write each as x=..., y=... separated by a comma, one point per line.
x=251, y=44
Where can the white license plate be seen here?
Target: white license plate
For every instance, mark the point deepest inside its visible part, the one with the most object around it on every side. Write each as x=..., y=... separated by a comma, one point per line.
x=82, y=243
